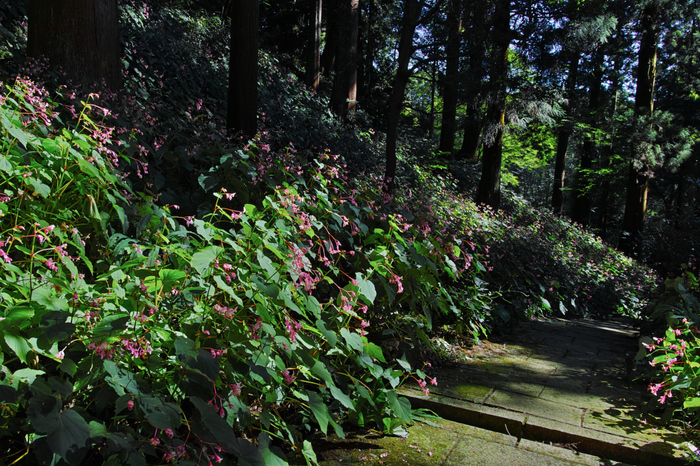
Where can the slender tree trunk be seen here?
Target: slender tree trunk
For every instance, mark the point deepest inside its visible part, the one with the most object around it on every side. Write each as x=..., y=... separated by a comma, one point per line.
x=477, y=53
x=638, y=183
x=344, y=95
x=451, y=89
x=332, y=35
x=411, y=15
x=313, y=66
x=242, y=112
x=563, y=141
x=582, y=202
x=489, y=189
x=602, y=220
x=79, y=36
x=472, y=131
x=433, y=90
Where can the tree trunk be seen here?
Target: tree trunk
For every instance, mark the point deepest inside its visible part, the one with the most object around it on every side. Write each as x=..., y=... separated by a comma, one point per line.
x=609, y=151
x=582, y=202
x=477, y=52
x=638, y=183
x=411, y=14
x=560, y=170
x=451, y=89
x=489, y=189
x=344, y=95
x=243, y=69
x=563, y=141
x=332, y=34
x=79, y=36
x=472, y=131
x=313, y=66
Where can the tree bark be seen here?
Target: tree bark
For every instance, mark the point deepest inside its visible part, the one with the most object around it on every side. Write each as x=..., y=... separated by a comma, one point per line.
x=475, y=75
x=638, y=182
x=332, y=35
x=451, y=89
x=313, y=66
x=489, y=189
x=563, y=141
x=411, y=15
x=79, y=36
x=582, y=202
x=344, y=95
x=242, y=112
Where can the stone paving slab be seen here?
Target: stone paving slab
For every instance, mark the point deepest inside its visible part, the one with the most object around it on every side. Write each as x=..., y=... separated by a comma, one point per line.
x=566, y=382
x=446, y=443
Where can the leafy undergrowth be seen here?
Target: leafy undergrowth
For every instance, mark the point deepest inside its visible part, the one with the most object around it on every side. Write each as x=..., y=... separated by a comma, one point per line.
x=134, y=335
x=260, y=295
x=672, y=349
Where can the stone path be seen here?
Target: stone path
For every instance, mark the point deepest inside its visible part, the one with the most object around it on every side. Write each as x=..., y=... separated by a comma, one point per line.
x=557, y=392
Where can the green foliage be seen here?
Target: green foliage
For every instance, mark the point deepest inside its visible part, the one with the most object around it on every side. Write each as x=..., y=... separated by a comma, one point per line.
x=545, y=263
x=184, y=336
x=675, y=355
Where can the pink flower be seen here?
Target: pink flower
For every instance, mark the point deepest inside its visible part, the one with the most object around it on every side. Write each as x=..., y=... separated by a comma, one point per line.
x=288, y=377
x=130, y=405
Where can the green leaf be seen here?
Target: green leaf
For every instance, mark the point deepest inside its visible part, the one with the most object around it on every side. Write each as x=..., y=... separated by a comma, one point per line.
x=319, y=370
x=367, y=289
x=161, y=415
x=375, y=352
x=319, y=410
x=185, y=347
x=342, y=397
x=16, y=315
x=309, y=453
x=69, y=440
x=330, y=336
x=123, y=381
x=5, y=165
x=18, y=344
x=40, y=188
x=170, y=277
x=15, y=132
x=111, y=325
x=352, y=339
x=692, y=402
x=270, y=290
x=400, y=406
x=266, y=264
x=272, y=455
x=212, y=428
x=202, y=259
x=27, y=375
x=55, y=327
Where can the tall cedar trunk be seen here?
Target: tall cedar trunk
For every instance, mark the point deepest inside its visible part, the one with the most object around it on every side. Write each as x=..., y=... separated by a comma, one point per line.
x=451, y=89
x=344, y=95
x=472, y=131
x=582, y=202
x=489, y=189
x=313, y=65
x=366, y=78
x=475, y=75
x=638, y=183
x=563, y=141
x=433, y=91
x=80, y=36
x=243, y=69
x=332, y=35
x=409, y=22
x=609, y=151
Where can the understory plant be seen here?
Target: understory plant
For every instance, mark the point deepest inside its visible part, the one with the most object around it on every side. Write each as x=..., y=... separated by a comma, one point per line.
x=675, y=354
x=132, y=335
